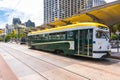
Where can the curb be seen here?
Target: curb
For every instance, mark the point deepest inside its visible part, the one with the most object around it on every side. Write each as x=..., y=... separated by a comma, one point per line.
x=114, y=57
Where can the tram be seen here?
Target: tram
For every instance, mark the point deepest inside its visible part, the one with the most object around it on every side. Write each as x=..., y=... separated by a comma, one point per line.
x=88, y=39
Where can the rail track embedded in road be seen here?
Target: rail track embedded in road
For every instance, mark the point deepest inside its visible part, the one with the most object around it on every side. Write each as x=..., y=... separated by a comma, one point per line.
x=11, y=53
x=63, y=67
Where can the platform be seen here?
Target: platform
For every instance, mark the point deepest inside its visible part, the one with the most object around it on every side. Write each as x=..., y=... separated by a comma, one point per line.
x=5, y=72
x=115, y=54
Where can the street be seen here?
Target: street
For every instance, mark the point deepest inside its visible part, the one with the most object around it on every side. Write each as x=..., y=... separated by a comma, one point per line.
x=29, y=64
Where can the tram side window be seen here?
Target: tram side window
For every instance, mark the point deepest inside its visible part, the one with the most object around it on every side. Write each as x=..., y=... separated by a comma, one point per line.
x=46, y=36
x=52, y=36
x=57, y=36
x=29, y=37
x=43, y=36
x=70, y=35
x=33, y=37
x=62, y=35
x=37, y=37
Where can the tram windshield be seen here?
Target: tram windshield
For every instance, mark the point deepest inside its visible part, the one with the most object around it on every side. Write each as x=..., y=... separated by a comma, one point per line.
x=102, y=34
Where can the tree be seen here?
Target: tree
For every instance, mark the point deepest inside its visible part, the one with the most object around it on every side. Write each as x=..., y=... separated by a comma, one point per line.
x=113, y=36
x=115, y=28
x=8, y=37
x=1, y=31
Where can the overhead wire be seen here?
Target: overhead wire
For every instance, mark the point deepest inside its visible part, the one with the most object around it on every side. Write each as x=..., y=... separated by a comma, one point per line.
x=15, y=7
x=17, y=4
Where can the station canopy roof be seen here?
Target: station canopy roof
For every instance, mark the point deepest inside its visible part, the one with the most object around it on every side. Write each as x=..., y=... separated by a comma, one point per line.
x=108, y=14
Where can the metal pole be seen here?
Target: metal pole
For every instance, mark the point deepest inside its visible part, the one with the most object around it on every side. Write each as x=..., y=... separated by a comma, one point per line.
x=118, y=33
x=118, y=44
x=4, y=37
x=17, y=33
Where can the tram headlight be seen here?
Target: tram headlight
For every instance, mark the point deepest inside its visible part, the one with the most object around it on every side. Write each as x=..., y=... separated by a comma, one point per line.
x=100, y=47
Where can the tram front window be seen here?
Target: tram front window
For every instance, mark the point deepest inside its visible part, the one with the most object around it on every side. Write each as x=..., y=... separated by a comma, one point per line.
x=108, y=35
x=102, y=35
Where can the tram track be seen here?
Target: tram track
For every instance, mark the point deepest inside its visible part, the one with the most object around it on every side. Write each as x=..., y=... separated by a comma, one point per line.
x=10, y=53
x=67, y=69
x=89, y=66
x=109, y=72
x=25, y=64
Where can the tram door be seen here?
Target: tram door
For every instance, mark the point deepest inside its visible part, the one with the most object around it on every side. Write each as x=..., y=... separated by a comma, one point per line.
x=84, y=40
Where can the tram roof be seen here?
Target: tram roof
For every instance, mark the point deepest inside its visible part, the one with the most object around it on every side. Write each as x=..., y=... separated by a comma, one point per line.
x=84, y=24
x=108, y=14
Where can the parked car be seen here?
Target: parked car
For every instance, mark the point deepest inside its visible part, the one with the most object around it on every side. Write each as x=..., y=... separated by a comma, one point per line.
x=23, y=41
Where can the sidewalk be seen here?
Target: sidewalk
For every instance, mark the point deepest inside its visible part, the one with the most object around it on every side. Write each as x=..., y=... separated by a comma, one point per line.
x=115, y=54
x=5, y=72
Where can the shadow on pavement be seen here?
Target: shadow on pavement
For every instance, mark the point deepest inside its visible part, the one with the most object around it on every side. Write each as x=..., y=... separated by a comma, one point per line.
x=105, y=61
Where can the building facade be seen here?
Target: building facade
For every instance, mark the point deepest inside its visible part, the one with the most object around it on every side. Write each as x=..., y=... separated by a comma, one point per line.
x=9, y=29
x=16, y=21
x=98, y=2
x=29, y=23
x=93, y=3
x=60, y=9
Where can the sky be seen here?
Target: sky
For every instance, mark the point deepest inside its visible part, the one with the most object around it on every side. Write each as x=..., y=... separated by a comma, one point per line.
x=23, y=9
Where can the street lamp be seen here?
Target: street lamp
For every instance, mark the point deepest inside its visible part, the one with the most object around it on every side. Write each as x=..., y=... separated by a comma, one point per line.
x=118, y=33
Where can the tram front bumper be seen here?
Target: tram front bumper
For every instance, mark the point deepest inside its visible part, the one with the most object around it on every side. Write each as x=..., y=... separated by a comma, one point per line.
x=101, y=54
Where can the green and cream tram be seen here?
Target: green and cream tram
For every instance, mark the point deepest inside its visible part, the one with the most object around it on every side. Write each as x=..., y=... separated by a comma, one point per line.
x=83, y=39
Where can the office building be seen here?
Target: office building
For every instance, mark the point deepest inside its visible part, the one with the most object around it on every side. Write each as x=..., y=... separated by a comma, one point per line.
x=29, y=23
x=87, y=4
x=16, y=21
x=98, y=2
x=9, y=28
x=60, y=9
